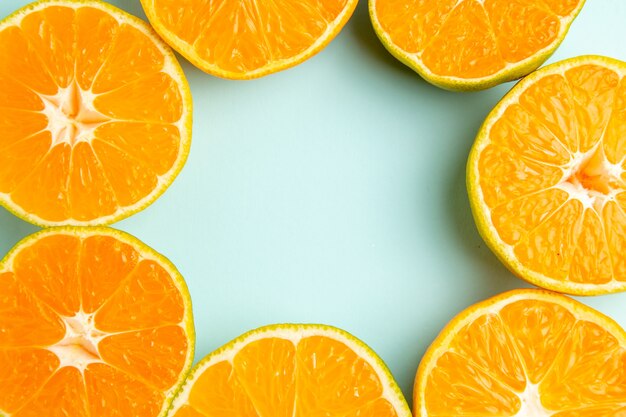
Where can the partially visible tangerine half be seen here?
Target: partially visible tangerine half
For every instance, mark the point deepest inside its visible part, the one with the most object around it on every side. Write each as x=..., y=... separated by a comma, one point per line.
x=250, y=38
x=547, y=177
x=525, y=353
x=291, y=370
x=472, y=44
x=95, y=113
x=92, y=323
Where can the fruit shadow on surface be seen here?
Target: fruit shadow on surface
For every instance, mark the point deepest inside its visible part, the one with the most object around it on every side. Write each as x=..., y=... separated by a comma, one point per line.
x=361, y=28
x=456, y=119
x=467, y=111
x=496, y=278
x=12, y=230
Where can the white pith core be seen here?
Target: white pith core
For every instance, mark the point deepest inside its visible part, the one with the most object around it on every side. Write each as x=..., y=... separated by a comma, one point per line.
x=79, y=346
x=72, y=117
x=531, y=403
x=592, y=179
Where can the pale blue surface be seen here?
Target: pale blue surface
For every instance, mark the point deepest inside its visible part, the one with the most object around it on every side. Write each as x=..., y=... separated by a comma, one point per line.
x=334, y=192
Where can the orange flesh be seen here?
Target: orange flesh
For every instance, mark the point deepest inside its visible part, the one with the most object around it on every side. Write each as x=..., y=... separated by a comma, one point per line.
x=533, y=350
x=65, y=154
x=552, y=176
x=64, y=283
x=248, y=35
x=471, y=38
x=272, y=376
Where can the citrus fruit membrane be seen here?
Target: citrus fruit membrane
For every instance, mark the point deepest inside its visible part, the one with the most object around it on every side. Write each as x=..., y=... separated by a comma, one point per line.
x=95, y=113
x=290, y=370
x=92, y=323
x=525, y=353
x=472, y=44
x=547, y=180
x=248, y=39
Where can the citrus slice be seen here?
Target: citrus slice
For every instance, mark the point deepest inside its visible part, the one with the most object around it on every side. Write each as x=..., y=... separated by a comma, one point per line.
x=248, y=39
x=95, y=113
x=547, y=177
x=92, y=323
x=290, y=370
x=525, y=353
x=472, y=44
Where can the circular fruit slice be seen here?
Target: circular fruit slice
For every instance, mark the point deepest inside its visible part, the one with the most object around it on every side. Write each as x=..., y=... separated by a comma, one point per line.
x=92, y=323
x=248, y=39
x=525, y=353
x=290, y=370
x=547, y=179
x=472, y=44
x=95, y=114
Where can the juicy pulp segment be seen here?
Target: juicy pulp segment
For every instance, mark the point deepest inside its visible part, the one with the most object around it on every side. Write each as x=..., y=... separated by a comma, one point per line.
x=472, y=39
x=315, y=376
x=413, y=24
x=521, y=27
x=134, y=353
x=22, y=310
x=22, y=372
x=324, y=365
x=527, y=356
x=148, y=298
x=552, y=173
x=269, y=384
x=62, y=304
x=467, y=21
x=65, y=390
x=72, y=76
x=137, y=398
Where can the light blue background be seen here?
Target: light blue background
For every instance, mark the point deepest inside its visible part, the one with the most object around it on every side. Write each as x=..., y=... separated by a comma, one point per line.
x=334, y=192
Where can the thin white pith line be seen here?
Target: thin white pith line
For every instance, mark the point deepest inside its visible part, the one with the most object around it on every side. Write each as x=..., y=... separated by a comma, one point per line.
x=19, y=141
x=207, y=26
x=444, y=21
x=548, y=129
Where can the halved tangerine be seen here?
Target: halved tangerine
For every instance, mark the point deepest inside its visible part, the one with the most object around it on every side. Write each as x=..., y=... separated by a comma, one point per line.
x=472, y=44
x=547, y=177
x=248, y=39
x=92, y=323
x=95, y=113
x=525, y=353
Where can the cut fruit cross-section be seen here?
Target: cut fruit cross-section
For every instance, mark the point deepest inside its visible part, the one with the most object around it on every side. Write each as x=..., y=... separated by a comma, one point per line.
x=92, y=323
x=250, y=38
x=525, y=353
x=291, y=371
x=95, y=114
x=472, y=44
x=547, y=177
